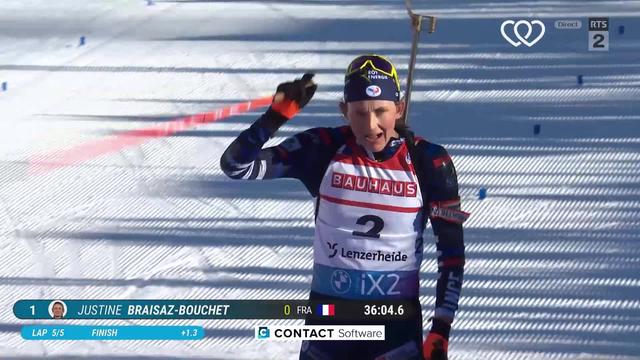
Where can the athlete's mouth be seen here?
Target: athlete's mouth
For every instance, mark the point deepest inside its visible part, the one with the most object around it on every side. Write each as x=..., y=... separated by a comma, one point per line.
x=373, y=137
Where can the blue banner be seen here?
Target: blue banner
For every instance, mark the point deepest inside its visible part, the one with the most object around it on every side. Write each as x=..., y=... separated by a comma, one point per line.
x=77, y=332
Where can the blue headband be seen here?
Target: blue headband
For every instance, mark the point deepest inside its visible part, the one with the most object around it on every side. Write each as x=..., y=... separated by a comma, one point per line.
x=369, y=84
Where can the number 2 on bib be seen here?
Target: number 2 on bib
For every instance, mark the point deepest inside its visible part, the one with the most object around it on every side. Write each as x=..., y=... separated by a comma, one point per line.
x=374, y=232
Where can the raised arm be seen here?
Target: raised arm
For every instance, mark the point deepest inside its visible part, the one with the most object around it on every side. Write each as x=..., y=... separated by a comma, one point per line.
x=245, y=158
x=301, y=156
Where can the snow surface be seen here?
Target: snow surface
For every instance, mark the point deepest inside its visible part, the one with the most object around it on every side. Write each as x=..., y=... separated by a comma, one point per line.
x=553, y=269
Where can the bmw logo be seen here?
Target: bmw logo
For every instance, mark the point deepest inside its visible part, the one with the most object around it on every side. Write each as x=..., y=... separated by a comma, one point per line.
x=340, y=281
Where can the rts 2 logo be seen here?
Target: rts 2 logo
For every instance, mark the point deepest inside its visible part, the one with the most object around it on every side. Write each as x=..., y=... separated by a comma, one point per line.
x=522, y=39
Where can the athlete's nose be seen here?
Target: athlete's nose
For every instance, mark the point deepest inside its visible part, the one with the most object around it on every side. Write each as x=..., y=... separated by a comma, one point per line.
x=372, y=123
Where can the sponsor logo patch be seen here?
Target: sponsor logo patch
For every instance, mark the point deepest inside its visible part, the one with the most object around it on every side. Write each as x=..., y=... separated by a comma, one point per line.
x=448, y=211
x=340, y=281
x=332, y=247
x=373, y=90
x=374, y=185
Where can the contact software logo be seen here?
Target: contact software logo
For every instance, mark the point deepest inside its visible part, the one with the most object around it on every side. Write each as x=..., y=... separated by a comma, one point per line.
x=262, y=332
x=515, y=29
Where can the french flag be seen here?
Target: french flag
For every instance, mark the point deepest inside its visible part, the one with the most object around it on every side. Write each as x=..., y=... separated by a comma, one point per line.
x=326, y=309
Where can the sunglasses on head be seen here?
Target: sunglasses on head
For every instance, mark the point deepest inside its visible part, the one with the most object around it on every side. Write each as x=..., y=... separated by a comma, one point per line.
x=375, y=62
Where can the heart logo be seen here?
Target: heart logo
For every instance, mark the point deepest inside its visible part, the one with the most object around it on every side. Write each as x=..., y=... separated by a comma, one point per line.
x=516, y=30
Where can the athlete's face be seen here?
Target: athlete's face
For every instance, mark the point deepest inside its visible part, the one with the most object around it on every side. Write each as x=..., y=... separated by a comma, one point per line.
x=57, y=311
x=373, y=121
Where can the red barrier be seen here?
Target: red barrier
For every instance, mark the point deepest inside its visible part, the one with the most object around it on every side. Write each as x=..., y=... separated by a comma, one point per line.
x=41, y=163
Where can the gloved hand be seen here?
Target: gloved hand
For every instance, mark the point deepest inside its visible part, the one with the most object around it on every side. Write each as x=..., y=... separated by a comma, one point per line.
x=436, y=345
x=292, y=96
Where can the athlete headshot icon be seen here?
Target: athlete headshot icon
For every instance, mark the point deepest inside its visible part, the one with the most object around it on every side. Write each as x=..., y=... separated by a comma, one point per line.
x=57, y=309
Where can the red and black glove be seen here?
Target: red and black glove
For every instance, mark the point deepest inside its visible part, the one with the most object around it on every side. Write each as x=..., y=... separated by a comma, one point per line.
x=292, y=96
x=436, y=345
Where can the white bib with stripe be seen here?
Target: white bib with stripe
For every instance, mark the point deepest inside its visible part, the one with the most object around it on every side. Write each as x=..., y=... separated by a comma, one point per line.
x=368, y=234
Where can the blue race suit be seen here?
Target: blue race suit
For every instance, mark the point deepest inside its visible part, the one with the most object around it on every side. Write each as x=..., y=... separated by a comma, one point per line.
x=370, y=218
